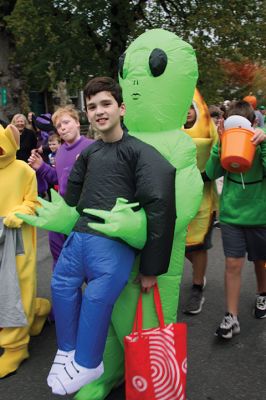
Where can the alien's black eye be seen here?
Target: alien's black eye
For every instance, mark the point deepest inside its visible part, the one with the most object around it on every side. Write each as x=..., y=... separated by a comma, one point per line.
x=121, y=65
x=157, y=62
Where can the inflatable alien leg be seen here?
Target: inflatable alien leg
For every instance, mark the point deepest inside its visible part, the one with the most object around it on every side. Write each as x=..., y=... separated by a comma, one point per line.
x=158, y=74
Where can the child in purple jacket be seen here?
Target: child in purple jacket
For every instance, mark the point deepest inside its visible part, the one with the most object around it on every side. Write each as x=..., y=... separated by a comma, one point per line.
x=66, y=122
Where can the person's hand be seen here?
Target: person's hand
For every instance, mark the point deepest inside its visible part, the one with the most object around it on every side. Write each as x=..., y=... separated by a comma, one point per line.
x=146, y=282
x=220, y=127
x=35, y=160
x=11, y=221
x=258, y=137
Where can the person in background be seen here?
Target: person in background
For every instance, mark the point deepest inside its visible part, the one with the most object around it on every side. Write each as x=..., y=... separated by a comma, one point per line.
x=243, y=224
x=66, y=122
x=30, y=123
x=54, y=142
x=201, y=128
x=217, y=115
x=44, y=127
x=28, y=140
x=252, y=100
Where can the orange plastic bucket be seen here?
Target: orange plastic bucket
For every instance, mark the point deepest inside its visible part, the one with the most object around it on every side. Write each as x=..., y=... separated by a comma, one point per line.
x=237, y=150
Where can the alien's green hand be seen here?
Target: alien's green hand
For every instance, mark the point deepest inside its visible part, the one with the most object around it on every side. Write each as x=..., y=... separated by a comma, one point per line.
x=56, y=216
x=122, y=222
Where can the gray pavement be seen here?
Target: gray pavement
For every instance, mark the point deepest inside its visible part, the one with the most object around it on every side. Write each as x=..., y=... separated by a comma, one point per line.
x=217, y=370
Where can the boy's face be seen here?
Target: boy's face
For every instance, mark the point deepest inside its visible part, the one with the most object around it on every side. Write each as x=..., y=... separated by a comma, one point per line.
x=104, y=113
x=68, y=128
x=54, y=145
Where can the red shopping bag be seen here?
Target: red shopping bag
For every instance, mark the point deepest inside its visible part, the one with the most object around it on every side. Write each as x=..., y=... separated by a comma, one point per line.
x=156, y=359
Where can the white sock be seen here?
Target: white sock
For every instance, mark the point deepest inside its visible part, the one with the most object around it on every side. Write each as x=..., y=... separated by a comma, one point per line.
x=60, y=361
x=74, y=376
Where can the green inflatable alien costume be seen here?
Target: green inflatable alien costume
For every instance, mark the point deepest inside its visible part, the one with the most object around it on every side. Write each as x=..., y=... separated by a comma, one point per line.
x=158, y=74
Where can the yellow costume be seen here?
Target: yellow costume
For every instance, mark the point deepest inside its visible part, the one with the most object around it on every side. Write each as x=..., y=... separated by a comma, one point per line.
x=19, y=194
x=204, y=135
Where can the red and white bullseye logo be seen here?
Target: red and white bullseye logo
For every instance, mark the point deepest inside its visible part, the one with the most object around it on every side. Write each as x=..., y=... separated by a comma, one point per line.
x=184, y=366
x=139, y=383
x=165, y=370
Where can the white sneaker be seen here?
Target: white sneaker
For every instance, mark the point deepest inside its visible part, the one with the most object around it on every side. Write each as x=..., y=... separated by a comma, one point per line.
x=74, y=376
x=228, y=327
x=260, y=307
x=60, y=361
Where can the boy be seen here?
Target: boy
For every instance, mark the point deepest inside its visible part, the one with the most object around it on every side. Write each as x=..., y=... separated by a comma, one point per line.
x=54, y=142
x=243, y=225
x=117, y=165
x=66, y=121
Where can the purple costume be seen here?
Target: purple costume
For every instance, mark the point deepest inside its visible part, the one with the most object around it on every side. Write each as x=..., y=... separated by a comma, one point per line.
x=65, y=158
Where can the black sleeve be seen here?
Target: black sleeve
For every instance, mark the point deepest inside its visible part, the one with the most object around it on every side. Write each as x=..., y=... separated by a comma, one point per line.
x=76, y=180
x=155, y=183
x=33, y=139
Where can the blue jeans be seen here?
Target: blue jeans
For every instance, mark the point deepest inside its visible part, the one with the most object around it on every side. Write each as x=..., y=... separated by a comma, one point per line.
x=82, y=319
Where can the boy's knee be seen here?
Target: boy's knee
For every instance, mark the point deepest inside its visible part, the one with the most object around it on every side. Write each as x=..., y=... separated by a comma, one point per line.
x=234, y=264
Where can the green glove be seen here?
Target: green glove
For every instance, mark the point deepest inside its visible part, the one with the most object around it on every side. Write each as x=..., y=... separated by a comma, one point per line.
x=122, y=222
x=56, y=216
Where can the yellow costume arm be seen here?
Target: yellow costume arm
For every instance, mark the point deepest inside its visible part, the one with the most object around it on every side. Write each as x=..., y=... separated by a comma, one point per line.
x=26, y=207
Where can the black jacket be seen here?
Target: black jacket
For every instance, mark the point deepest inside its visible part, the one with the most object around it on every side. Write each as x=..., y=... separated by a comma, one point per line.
x=28, y=142
x=134, y=170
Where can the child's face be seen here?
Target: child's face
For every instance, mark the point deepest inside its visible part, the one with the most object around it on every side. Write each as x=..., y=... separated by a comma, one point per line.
x=68, y=128
x=191, y=116
x=54, y=145
x=104, y=113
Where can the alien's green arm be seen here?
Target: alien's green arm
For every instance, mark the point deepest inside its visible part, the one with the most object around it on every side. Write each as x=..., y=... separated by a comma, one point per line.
x=122, y=222
x=56, y=216
x=189, y=185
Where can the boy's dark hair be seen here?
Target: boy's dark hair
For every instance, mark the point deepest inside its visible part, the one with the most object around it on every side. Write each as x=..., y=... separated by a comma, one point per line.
x=242, y=108
x=103, y=84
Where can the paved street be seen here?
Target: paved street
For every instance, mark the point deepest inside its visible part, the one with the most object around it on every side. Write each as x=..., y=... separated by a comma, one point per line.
x=217, y=370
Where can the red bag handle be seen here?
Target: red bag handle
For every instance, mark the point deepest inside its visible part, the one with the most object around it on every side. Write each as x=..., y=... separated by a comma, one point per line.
x=137, y=326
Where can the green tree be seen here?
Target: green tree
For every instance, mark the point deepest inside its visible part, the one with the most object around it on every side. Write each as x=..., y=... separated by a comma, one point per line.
x=234, y=30
x=57, y=40
x=74, y=39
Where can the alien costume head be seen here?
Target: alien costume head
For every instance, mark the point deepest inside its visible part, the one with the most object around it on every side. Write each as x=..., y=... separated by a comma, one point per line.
x=158, y=74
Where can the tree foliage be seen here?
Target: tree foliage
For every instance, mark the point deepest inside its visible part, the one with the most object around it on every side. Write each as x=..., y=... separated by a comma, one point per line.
x=74, y=39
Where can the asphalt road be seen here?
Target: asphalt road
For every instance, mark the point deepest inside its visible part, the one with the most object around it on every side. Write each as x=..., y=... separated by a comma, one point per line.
x=217, y=370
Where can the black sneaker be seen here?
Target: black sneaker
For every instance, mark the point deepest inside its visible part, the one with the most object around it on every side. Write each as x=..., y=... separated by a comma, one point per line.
x=260, y=307
x=216, y=224
x=195, y=301
x=228, y=327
